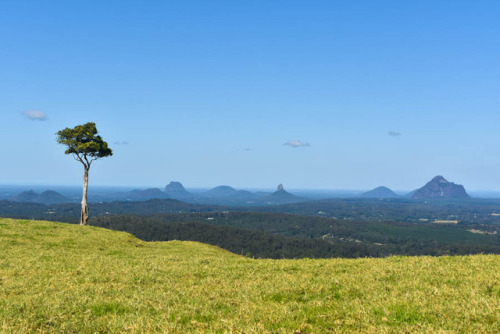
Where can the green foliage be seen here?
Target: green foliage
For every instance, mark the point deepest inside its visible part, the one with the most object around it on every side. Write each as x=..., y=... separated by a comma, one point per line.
x=110, y=282
x=252, y=243
x=271, y=235
x=84, y=142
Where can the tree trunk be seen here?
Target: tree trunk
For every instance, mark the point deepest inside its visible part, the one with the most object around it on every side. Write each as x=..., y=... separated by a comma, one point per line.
x=84, y=217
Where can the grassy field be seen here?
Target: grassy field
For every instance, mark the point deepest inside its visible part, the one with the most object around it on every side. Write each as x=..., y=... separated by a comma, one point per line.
x=59, y=278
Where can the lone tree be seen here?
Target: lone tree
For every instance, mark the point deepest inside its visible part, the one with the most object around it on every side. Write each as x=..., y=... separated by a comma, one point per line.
x=85, y=146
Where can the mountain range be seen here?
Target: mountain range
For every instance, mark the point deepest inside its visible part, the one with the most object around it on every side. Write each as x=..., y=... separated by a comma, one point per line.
x=226, y=195
x=46, y=197
x=437, y=188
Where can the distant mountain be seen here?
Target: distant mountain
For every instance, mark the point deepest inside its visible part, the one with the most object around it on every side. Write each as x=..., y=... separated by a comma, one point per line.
x=46, y=197
x=176, y=190
x=281, y=196
x=230, y=194
x=221, y=191
x=240, y=194
x=145, y=195
x=52, y=197
x=25, y=196
x=439, y=187
x=380, y=192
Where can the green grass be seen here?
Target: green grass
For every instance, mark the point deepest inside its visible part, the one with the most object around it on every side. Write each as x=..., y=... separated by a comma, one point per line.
x=59, y=278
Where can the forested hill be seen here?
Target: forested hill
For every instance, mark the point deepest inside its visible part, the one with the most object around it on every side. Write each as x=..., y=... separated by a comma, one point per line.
x=248, y=242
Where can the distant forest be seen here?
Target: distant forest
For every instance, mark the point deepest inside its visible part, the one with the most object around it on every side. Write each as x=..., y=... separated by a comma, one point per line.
x=365, y=228
x=471, y=211
x=270, y=235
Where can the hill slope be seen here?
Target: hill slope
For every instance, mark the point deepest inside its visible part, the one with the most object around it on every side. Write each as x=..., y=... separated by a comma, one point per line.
x=221, y=191
x=380, y=192
x=67, y=278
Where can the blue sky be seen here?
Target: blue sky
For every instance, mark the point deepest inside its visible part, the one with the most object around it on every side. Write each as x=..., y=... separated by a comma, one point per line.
x=366, y=93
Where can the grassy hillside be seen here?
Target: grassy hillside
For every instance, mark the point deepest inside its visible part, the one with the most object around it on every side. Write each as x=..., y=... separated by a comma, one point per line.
x=66, y=278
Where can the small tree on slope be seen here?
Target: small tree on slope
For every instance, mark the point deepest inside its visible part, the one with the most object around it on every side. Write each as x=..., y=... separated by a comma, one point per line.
x=86, y=146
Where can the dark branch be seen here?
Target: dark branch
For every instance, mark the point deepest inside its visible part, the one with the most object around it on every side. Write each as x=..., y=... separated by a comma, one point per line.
x=87, y=165
x=78, y=158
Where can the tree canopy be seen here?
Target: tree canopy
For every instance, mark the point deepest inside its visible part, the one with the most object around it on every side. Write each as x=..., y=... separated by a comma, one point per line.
x=84, y=143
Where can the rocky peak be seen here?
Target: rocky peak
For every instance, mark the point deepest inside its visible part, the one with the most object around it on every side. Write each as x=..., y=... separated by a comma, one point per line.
x=439, y=179
x=439, y=187
x=174, y=186
x=176, y=190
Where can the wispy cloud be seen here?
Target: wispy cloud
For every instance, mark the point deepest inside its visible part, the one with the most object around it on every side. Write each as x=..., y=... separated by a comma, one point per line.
x=121, y=142
x=394, y=133
x=247, y=149
x=35, y=115
x=296, y=143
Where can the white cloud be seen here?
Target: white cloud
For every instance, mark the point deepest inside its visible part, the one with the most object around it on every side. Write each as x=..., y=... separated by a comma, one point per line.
x=121, y=142
x=35, y=115
x=394, y=133
x=296, y=143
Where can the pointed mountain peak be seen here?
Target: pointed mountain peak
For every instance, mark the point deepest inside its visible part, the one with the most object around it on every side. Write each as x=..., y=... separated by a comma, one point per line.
x=281, y=196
